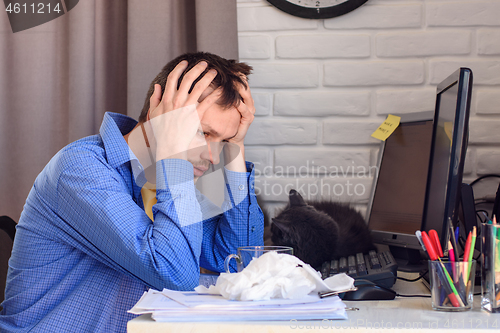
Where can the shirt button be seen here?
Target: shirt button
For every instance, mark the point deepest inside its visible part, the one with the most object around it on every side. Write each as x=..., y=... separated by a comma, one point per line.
x=253, y=229
x=241, y=187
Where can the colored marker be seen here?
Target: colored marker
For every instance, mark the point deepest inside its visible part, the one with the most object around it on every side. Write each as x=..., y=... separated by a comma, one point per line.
x=433, y=235
x=471, y=252
x=466, y=254
x=429, y=246
x=451, y=254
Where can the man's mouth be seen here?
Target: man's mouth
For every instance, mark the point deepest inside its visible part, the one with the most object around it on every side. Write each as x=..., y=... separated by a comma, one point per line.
x=199, y=170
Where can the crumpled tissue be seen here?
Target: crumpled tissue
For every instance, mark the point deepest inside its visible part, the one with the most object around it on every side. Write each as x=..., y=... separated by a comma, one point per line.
x=275, y=275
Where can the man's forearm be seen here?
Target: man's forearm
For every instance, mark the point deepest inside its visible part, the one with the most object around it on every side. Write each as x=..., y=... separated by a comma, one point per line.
x=235, y=154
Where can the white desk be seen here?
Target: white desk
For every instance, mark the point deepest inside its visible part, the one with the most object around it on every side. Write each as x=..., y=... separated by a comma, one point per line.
x=398, y=315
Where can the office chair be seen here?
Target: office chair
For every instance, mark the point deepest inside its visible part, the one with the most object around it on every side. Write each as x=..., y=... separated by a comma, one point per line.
x=7, y=233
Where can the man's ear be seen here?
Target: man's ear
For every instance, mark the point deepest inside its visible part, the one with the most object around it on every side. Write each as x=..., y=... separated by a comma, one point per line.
x=154, y=100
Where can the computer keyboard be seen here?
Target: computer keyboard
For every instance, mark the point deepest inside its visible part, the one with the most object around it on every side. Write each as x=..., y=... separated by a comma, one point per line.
x=378, y=267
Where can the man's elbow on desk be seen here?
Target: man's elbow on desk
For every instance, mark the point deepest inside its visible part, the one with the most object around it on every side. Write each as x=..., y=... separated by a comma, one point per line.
x=180, y=277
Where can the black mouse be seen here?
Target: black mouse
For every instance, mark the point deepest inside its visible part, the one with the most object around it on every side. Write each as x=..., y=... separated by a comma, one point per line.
x=368, y=291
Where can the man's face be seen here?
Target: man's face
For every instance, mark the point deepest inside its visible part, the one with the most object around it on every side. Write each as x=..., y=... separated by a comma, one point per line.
x=218, y=125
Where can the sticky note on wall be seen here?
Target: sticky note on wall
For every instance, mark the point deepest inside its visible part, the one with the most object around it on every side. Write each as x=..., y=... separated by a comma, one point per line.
x=387, y=128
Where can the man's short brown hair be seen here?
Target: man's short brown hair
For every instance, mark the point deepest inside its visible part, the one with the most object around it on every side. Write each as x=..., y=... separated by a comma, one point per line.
x=229, y=73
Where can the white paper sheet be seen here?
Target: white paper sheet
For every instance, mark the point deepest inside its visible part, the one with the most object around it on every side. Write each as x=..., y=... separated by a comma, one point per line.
x=216, y=308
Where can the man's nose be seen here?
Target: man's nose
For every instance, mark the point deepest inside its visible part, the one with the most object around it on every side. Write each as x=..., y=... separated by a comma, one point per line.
x=214, y=150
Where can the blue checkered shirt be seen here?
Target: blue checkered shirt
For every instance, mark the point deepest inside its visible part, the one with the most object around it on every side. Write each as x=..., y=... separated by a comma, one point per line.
x=85, y=250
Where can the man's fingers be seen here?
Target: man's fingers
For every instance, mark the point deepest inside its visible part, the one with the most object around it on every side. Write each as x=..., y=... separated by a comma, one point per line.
x=208, y=101
x=187, y=82
x=201, y=86
x=172, y=79
x=246, y=95
x=245, y=111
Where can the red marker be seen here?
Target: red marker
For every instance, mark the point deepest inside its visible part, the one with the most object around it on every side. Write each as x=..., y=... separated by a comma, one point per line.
x=433, y=235
x=451, y=296
x=431, y=251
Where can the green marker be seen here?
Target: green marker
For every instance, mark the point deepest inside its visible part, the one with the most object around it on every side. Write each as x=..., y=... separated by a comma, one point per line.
x=471, y=252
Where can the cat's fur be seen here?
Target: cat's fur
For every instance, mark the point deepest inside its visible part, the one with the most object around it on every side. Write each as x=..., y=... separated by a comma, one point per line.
x=320, y=231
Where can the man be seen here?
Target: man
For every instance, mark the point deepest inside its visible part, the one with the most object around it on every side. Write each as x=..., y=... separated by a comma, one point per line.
x=88, y=243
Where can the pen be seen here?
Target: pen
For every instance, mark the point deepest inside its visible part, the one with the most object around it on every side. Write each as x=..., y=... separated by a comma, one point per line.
x=418, y=233
x=460, y=285
x=453, y=238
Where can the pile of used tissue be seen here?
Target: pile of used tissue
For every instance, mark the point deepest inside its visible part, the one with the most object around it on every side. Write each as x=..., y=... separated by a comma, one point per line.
x=275, y=275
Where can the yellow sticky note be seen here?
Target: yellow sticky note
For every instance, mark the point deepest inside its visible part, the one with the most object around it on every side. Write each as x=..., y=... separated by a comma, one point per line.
x=448, y=129
x=388, y=126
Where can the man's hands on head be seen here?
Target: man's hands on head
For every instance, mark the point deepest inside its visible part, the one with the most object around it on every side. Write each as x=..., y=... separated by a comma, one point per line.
x=175, y=116
x=246, y=108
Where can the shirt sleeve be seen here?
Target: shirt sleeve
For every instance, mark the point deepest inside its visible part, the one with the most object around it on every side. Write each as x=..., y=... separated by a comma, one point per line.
x=240, y=224
x=102, y=219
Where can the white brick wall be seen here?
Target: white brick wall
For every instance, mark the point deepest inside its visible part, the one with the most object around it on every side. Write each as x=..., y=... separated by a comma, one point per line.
x=322, y=86
x=423, y=43
x=323, y=46
x=484, y=42
x=322, y=103
x=463, y=13
x=373, y=73
x=285, y=75
x=276, y=131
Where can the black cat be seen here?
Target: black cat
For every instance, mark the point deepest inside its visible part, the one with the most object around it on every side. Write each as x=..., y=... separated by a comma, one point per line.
x=320, y=231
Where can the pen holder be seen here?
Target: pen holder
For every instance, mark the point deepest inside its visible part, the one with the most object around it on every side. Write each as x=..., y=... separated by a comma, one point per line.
x=490, y=268
x=452, y=284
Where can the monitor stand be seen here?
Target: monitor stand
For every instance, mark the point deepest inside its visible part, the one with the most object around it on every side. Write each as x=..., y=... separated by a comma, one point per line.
x=409, y=260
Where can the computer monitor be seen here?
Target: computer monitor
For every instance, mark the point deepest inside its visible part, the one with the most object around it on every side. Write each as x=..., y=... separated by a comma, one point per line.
x=420, y=171
x=449, y=146
x=398, y=193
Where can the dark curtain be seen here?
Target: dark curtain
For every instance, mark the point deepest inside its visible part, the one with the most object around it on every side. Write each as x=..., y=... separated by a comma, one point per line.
x=59, y=78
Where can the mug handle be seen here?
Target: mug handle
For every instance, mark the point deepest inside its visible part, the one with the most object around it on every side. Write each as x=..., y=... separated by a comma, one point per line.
x=228, y=259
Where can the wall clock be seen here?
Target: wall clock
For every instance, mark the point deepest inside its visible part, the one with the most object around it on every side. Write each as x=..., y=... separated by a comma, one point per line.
x=317, y=9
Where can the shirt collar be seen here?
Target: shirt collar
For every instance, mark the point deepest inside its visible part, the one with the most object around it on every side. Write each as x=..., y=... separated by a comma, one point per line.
x=113, y=127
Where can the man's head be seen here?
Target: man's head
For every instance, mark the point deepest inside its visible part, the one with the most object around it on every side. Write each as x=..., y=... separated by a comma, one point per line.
x=229, y=73
x=221, y=120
